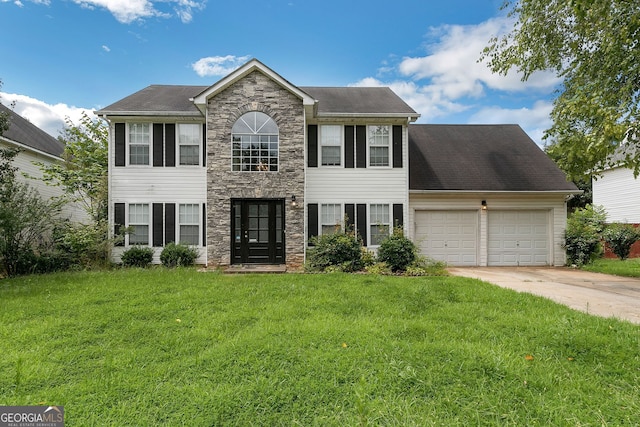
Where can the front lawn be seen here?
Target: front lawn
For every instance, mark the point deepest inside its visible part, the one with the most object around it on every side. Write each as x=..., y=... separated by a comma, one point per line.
x=628, y=268
x=178, y=347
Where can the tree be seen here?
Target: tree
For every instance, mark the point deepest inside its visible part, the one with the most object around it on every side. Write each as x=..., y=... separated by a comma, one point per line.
x=592, y=45
x=26, y=220
x=83, y=173
x=4, y=119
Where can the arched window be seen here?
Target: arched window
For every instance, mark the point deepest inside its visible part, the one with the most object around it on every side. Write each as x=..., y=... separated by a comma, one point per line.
x=254, y=143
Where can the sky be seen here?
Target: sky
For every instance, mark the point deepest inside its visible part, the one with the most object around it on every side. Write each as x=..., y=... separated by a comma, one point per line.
x=59, y=58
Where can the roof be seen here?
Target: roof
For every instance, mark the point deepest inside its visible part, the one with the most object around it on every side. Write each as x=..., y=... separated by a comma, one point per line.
x=480, y=158
x=26, y=133
x=158, y=99
x=359, y=101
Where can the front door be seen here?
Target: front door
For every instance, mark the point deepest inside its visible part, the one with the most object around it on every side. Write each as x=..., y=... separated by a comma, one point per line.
x=257, y=231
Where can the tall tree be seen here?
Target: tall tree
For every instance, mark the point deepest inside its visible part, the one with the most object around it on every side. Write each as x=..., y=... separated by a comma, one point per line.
x=4, y=119
x=83, y=173
x=594, y=46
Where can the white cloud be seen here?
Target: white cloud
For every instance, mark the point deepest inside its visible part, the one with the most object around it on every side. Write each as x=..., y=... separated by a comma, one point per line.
x=49, y=118
x=218, y=65
x=106, y=48
x=128, y=11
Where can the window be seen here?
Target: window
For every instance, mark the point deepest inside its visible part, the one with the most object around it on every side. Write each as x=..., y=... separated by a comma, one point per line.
x=330, y=145
x=254, y=143
x=330, y=218
x=379, y=223
x=139, y=223
x=139, y=143
x=189, y=219
x=378, y=145
x=189, y=143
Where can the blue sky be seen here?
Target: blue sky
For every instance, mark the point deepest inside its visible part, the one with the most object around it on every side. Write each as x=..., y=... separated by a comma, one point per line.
x=60, y=58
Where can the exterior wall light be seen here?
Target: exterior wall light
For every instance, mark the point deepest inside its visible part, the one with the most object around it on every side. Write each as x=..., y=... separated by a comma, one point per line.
x=484, y=205
x=293, y=201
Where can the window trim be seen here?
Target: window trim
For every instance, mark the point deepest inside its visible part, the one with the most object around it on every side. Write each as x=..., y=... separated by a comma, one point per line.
x=371, y=224
x=180, y=144
x=198, y=223
x=149, y=143
x=340, y=145
x=389, y=146
x=134, y=224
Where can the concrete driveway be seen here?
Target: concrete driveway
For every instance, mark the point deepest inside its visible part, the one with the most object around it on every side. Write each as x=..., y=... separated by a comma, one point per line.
x=593, y=293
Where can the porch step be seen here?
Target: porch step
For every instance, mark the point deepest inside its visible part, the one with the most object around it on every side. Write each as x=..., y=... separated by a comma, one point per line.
x=255, y=268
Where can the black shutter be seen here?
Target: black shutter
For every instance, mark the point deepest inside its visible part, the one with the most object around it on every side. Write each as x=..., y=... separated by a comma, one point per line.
x=170, y=144
x=204, y=224
x=361, y=146
x=350, y=213
x=312, y=211
x=204, y=145
x=119, y=220
x=120, y=144
x=169, y=223
x=158, y=143
x=361, y=222
x=157, y=224
x=312, y=146
x=397, y=146
x=349, y=146
x=398, y=215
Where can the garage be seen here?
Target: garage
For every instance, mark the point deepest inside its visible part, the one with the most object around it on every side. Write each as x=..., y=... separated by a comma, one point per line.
x=450, y=236
x=518, y=238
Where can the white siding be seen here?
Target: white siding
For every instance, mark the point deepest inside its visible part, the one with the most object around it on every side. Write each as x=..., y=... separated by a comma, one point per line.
x=159, y=184
x=553, y=203
x=357, y=185
x=24, y=161
x=618, y=191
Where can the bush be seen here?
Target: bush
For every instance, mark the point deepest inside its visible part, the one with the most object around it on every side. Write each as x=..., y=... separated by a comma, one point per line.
x=425, y=266
x=583, y=235
x=341, y=251
x=178, y=255
x=137, y=256
x=620, y=237
x=397, y=251
x=88, y=245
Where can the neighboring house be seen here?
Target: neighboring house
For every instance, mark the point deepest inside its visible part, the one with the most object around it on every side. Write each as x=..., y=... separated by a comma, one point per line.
x=36, y=146
x=618, y=191
x=249, y=169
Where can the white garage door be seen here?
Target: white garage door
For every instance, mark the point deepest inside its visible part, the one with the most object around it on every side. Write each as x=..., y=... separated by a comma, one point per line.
x=449, y=236
x=518, y=238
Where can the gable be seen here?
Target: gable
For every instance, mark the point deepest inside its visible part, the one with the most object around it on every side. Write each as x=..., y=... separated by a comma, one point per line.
x=480, y=158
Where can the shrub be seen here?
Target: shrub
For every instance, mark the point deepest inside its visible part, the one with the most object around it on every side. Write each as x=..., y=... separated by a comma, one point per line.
x=620, y=237
x=425, y=266
x=397, y=251
x=583, y=235
x=88, y=245
x=342, y=251
x=178, y=255
x=379, y=268
x=137, y=256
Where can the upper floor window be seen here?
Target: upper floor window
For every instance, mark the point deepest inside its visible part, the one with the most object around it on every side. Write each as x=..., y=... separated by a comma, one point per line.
x=139, y=137
x=330, y=145
x=189, y=143
x=378, y=145
x=254, y=143
x=139, y=223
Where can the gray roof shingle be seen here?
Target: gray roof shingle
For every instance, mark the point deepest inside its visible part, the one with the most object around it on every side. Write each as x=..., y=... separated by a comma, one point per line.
x=480, y=158
x=24, y=132
x=379, y=101
x=158, y=99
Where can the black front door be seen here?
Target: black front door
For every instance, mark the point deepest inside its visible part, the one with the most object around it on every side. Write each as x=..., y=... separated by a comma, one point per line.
x=257, y=231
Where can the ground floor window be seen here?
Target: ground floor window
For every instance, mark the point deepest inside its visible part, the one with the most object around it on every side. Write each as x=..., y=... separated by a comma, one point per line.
x=330, y=218
x=379, y=223
x=189, y=219
x=139, y=223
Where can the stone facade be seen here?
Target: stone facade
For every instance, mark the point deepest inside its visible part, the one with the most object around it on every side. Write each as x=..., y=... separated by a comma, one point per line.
x=254, y=92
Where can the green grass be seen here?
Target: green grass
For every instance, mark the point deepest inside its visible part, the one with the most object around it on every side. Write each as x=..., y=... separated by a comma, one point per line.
x=178, y=347
x=627, y=268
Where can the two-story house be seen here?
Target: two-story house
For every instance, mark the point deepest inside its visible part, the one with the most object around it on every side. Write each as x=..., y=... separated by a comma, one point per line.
x=250, y=168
